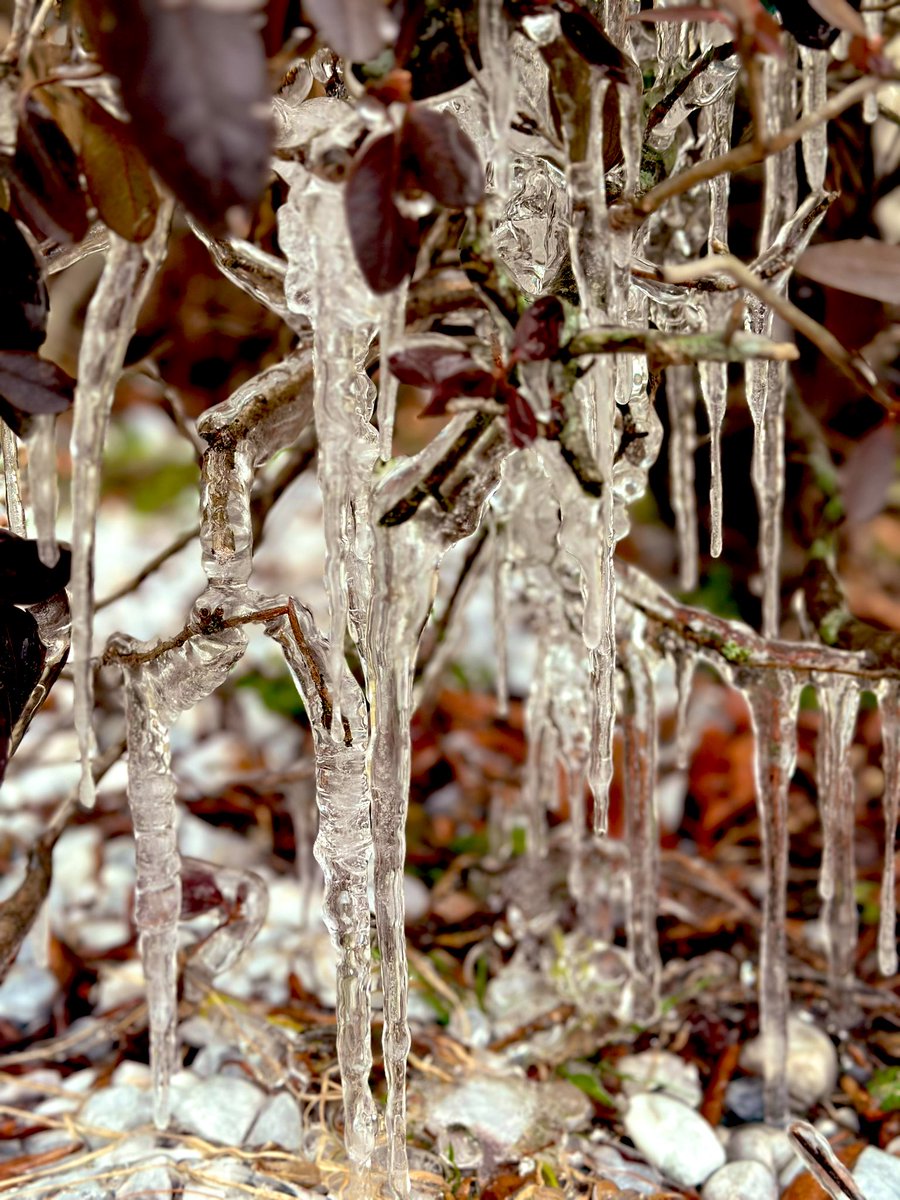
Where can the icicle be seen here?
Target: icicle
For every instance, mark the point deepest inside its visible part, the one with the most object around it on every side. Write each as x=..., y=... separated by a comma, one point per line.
x=719, y=115
x=640, y=737
x=499, y=572
x=685, y=666
x=714, y=390
x=343, y=848
x=391, y=327
x=779, y=100
x=682, y=399
x=773, y=698
x=42, y=488
x=824, y=1165
x=874, y=22
x=498, y=76
x=889, y=700
x=536, y=787
x=404, y=580
x=300, y=801
x=815, y=93
x=123, y=286
x=15, y=512
x=839, y=704
x=155, y=693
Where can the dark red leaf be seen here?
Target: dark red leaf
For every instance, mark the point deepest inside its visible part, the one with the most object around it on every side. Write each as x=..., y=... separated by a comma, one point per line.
x=439, y=158
x=44, y=181
x=427, y=363
x=30, y=385
x=474, y=382
x=23, y=293
x=386, y=243
x=356, y=29
x=863, y=267
x=539, y=330
x=193, y=79
x=588, y=38
x=199, y=891
x=21, y=660
x=523, y=426
x=24, y=579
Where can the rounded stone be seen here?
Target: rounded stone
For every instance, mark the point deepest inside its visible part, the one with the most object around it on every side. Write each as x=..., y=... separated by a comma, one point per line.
x=741, y=1180
x=811, y=1067
x=673, y=1138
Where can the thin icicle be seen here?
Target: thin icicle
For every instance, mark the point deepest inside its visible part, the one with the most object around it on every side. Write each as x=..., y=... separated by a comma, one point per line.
x=536, y=787
x=111, y=316
x=499, y=573
x=814, y=94
x=390, y=330
x=719, y=115
x=685, y=666
x=839, y=704
x=714, y=390
x=155, y=693
x=773, y=698
x=343, y=848
x=640, y=736
x=498, y=75
x=15, y=511
x=42, y=484
x=681, y=396
x=779, y=99
x=889, y=700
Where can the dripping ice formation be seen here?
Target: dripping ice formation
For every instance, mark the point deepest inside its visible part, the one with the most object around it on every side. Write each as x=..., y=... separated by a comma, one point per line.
x=598, y=630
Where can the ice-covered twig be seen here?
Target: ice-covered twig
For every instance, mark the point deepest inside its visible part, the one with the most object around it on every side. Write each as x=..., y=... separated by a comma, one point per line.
x=855, y=368
x=747, y=154
x=826, y=1167
x=669, y=349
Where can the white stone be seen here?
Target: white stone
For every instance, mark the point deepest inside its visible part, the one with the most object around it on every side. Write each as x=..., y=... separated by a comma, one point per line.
x=661, y=1071
x=673, y=1138
x=150, y=1180
x=115, y=1109
x=811, y=1066
x=877, y=1174
x=278, y=1124
x=763, y=1144
x=741, y=1180
x=219, y=1110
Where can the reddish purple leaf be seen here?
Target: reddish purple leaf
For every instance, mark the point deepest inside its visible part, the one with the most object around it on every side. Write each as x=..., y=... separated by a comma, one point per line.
x=45, y=178
x=862, y=267
x=386, y=243
x=199, y=891
x=30, y=385
x=21, y=661
x=356, y=29
x=470, y=383
x=23, y=293
x=539, y=330
x=523, y=426
x=24, y=579
x=589, y=40
x=867, y=474
x=193, y=79
x=426, y=364
x=439, y=158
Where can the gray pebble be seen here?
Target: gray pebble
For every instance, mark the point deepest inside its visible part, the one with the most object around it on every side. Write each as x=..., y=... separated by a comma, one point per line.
x=117, y=1109
x=278, y=1124
x=219, y=1110
x=877, y=1174
x=151, y=1180
x=763, y=1144
x=674, y=1138
x=741, y=1180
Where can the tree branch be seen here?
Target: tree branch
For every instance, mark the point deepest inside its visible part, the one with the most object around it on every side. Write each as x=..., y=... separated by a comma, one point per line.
x=669, y=350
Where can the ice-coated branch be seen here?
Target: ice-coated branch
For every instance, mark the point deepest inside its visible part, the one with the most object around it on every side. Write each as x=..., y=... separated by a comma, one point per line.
x=669, y=349
x=855, y=368
x=747, y=154
x=731, y=643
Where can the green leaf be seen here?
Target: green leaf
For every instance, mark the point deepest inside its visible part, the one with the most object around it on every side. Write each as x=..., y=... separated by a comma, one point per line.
x=884, y=1087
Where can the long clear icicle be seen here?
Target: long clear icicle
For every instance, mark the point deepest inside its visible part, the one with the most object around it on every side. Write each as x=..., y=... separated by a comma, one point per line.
x=390, y=330
x=156, y=692
x=814, y=94
x=498, y=75
x=681, y=396
x=839, y=704
x=42, y=484
x=773, y=697
x=15, y=510
x=127, y=274
x=714, y=390
x=639, y=730
x=343, y=849
x=889, y=701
